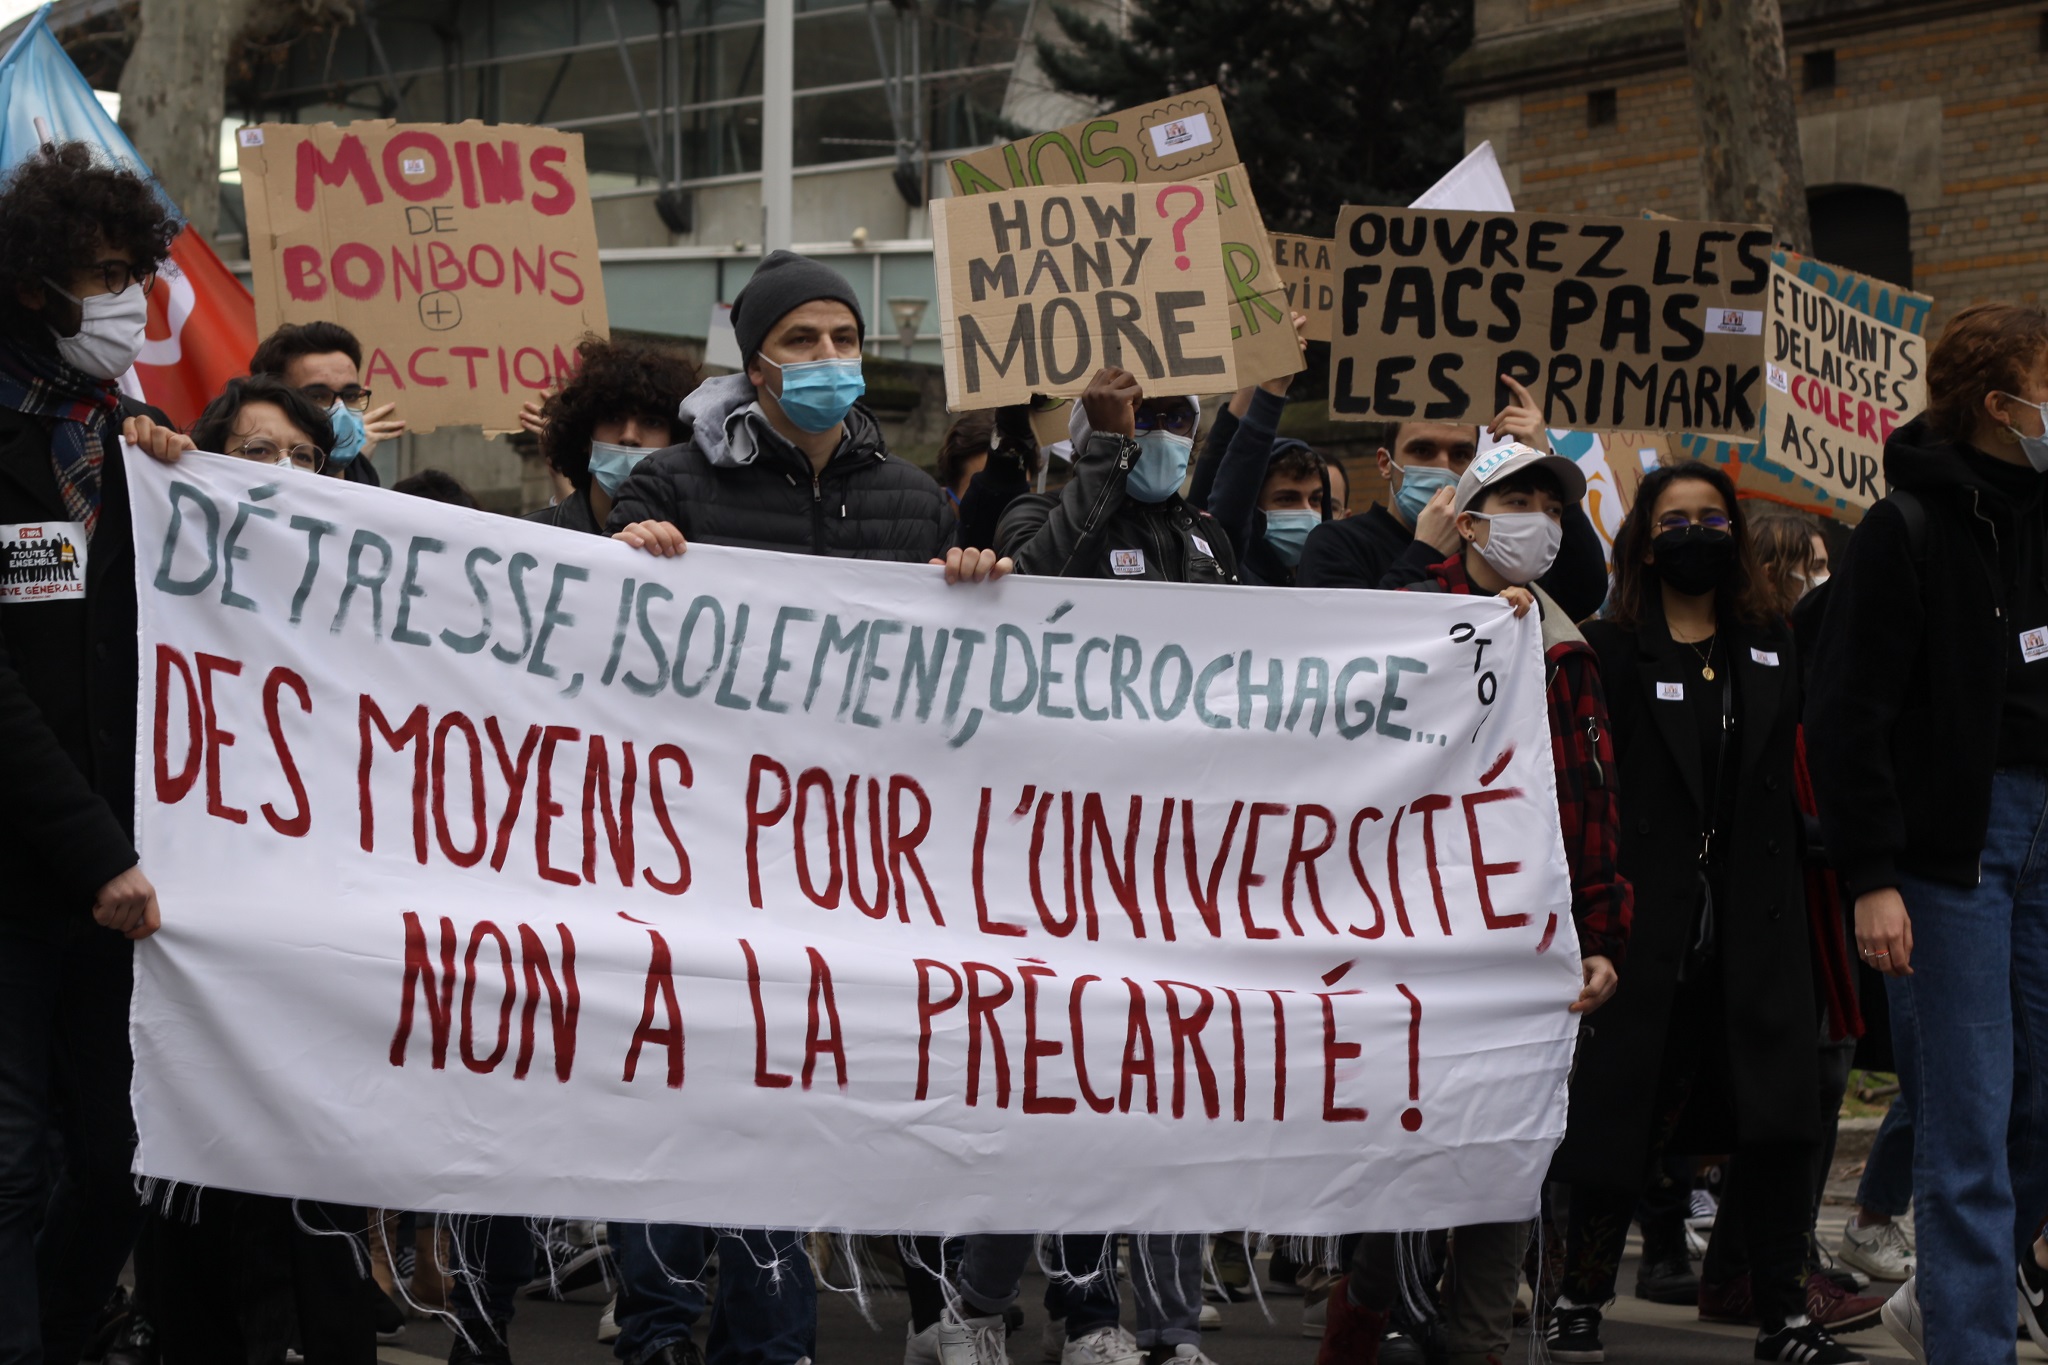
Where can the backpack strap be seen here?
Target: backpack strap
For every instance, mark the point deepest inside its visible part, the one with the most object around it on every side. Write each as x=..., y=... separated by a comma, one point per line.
x=1913, y=512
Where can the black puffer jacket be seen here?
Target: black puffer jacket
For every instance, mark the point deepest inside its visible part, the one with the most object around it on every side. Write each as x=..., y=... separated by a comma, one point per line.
x=1092, y=529
x=733, y=481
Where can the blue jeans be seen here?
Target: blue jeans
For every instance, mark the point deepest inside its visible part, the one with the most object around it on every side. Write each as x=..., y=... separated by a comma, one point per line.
x=767, y=1310
x=1887, y=1184
x=1166, y=1276
x=1971, y=1027
x=494, y=1259
x=68, y=1209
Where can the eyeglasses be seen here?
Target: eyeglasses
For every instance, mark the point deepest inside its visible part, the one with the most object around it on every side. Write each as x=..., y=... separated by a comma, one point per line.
x=355, y=397
x=1679, y=521
x=118, y=275
x=306, y=457
x=1179, y=419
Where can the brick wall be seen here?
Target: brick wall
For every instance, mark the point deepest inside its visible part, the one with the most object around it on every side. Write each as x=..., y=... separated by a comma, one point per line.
x=1979, y=185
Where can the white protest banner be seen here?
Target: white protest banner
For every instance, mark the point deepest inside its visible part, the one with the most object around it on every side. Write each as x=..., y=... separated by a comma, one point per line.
x=463, y=256
x=1841, y=382
x=509, y=870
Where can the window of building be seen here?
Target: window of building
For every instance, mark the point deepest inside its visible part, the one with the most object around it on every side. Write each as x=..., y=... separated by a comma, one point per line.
x=1819, y=69
x=1600, y=108
x=1867, y=229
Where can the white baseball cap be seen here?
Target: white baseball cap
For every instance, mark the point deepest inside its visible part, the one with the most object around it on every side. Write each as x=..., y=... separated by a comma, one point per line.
x=1504, y=461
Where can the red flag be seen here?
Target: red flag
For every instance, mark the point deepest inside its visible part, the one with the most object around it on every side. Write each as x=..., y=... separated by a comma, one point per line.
x=202, y=330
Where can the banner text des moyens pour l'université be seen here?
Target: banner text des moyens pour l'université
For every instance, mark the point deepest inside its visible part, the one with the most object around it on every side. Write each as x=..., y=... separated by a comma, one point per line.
x=511, y=870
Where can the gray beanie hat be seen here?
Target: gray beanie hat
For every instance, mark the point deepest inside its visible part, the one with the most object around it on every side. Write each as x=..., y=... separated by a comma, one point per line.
x=781, y=284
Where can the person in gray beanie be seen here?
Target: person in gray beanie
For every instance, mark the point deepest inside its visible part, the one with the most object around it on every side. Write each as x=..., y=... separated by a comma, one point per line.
x=783, y=456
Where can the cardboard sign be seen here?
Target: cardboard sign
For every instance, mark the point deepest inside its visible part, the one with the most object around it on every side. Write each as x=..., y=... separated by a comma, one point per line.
x=1841, y=382
x=1178, y=137
x=1175, y=138
x=1039, y=288
x=463, y=256
x=1609, y=322
x=1303, y=264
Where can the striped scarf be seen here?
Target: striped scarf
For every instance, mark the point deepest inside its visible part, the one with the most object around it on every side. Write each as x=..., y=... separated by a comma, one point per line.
x=82, y=416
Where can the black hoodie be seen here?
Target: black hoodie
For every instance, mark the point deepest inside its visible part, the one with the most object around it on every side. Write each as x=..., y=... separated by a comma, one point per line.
x=1920, y=686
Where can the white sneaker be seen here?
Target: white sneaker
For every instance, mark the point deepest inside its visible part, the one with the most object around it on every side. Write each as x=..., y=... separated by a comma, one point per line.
x=1901, y=1316
x=1103, y=1346
x=1314, y=1317
x=958, y=1341
x=1211, y=1319
x=608, y=1325
x=1190, y=1355
x=1883, y=1250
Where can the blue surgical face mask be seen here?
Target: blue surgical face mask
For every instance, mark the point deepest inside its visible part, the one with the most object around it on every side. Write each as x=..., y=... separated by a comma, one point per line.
x=2035, y=448
x=348, y=433
x=817, y=394
x=1161, y=465
x=610, y=464
x=1419, y=483
x=1286, y=532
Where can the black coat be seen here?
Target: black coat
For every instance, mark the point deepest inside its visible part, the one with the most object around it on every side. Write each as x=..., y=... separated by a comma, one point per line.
x=1910, y=675
x=67, y=699
x=1092, y=527
x=1767, y=987
x=864, y=504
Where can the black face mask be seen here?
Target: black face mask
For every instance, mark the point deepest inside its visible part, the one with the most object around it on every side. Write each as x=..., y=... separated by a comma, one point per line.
x=1694, y=560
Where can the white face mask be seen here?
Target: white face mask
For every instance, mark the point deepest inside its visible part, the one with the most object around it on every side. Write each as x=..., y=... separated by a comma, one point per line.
x=1521, y=546
x=109, y=335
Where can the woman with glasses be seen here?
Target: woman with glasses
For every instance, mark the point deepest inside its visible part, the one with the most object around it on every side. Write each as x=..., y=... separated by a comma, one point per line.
x=1714, y=1021
x=266, y=420
x=1929, y=743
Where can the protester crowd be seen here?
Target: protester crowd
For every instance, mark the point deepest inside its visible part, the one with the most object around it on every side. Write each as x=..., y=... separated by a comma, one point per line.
x=1777, y=787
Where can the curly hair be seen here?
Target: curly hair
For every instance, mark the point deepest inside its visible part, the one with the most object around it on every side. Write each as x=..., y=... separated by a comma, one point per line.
x=216, y=426
x=61, y=210
x=1986, y=348
x=1293, y=459
x=1784, y=554
x=614, y=380
x=1742, y=598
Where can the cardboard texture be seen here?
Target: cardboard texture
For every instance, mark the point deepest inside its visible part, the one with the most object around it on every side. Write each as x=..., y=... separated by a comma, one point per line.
x=1039, y=288
x=1303, y=264
x=1182, y=136
x=1178, y=137
x=463, y=256
x=1840, y=382
x=1610, y=322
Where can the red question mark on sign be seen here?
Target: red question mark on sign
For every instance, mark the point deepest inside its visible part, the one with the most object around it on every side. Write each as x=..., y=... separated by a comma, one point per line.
x=1180, y=227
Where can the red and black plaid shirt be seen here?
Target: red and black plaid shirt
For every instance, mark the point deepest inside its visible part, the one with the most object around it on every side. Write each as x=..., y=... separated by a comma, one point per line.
x=1588, y=798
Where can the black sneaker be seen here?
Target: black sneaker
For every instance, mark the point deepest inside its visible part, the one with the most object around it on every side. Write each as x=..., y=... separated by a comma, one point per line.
x=1574, y=1335
x=1668, y=1278
x=569, y=1267
x=135, y=1344
x=1399, y=1348
x=1805, y=1342
x=487, y=1345
x=2034, y=1300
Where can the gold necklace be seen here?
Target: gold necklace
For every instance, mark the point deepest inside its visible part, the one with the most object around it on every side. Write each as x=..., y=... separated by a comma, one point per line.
x=1706, y=657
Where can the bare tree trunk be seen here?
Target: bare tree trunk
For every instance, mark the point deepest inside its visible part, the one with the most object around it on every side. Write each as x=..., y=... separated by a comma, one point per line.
x=1749, y=124
x=173, y=96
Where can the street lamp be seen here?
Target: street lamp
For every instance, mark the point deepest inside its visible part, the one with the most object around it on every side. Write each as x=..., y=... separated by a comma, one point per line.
x=908, y=313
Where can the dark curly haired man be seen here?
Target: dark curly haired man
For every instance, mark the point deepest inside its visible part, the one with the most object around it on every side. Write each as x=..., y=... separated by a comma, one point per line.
x=84, y=241
x=620, y=408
